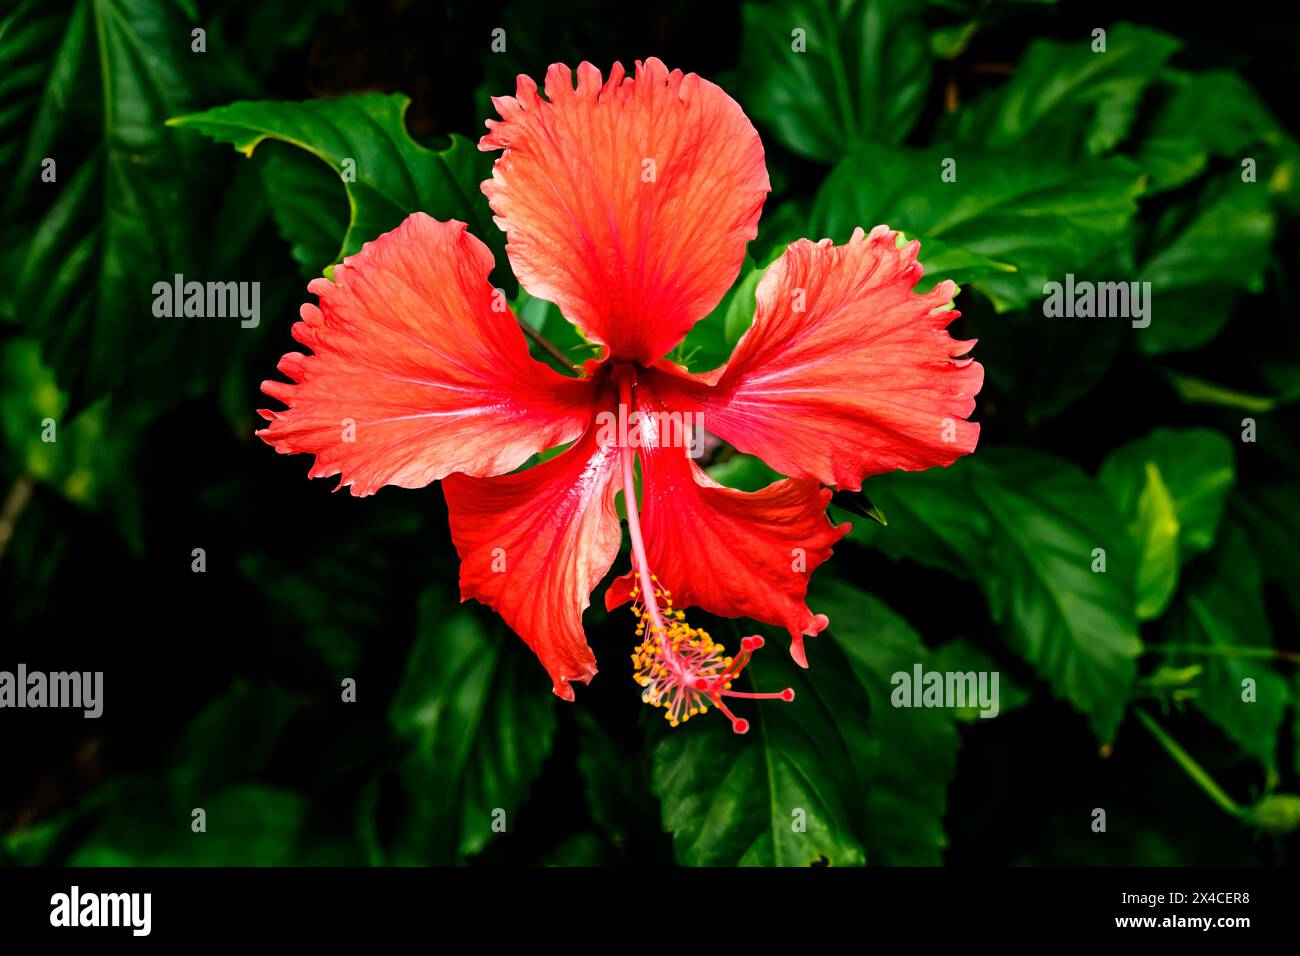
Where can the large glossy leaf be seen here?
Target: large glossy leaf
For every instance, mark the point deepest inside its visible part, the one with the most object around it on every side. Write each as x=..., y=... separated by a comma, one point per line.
x=1076, y=626
x=476, y=712
x=42, y=49
x=1066, y=99
x=913, y=750
x=364, y=142
x=1025, y=526
x=113, y=222
x=1217, y=623
x=787, y=793
x=1043, y=218
x=826, y=76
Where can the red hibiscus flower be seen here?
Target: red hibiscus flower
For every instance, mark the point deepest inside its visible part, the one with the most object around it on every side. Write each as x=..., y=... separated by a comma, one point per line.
x=627, y=202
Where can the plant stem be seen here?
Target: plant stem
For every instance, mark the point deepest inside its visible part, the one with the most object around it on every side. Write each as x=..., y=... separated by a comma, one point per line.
x=1189, y=765
x=15, y=502
x=1268, y=653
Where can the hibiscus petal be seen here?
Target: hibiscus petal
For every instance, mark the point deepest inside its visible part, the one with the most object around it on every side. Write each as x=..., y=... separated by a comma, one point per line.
x=414, y=374
x=732, y=553
x=627, y=202
x=534, y=544
x=845, y=372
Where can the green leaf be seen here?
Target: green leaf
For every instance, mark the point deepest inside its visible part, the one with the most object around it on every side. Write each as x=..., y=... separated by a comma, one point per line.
x=1024, y=526
x=1201, y=265
x=710, y=341
x=42, y=49
x=1221, y=613
x=840, y=760
x=1042, y=218
x=247, y=825
x=1067, y=99
x=779, y=226
x=786, y=793
x=859, y=504
x=547, y=319
x=1295, y=722
x=957, y=263
x=38, y=844
x=1282, y=375
x=86, y=458
x=1154, y=526
x=914, y=750
x=231, y=740
x=744, y=473
x=862, y=75
x=363, y=140
x=1076, y=626
x=934, y=520
x=148, y=821
x=95, y=239
x=950, y=42
x=475, y=710
x=33, y=845
x=1195, y=464
x=1202, y=115
x=1171, y=488
x=1277, y=814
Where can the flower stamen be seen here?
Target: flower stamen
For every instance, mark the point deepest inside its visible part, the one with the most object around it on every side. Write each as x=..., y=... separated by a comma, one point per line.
x=680, y=668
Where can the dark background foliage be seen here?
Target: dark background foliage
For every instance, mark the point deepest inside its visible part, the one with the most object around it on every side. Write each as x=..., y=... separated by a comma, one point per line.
x=223, y=688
